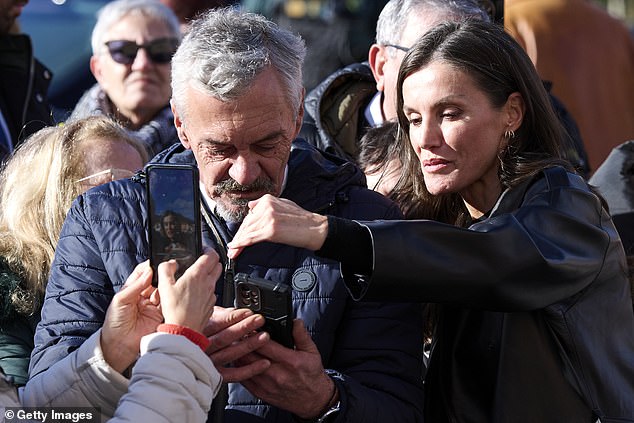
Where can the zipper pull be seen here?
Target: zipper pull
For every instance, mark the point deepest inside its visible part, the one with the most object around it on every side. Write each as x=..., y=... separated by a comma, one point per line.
x=228, y=293
x=139, y=176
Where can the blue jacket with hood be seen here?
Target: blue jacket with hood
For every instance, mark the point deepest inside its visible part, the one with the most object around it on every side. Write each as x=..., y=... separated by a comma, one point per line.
x=376, y=348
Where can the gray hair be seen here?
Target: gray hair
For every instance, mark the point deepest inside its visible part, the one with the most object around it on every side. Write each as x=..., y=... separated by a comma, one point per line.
x=394, y=16
x=114, y=11
x=226, y=49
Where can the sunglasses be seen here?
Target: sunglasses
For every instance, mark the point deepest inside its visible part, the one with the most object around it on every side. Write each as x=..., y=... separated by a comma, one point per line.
x=160, y=50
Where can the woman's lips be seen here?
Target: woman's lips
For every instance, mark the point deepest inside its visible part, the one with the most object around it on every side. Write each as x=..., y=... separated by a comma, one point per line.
x=435, y=165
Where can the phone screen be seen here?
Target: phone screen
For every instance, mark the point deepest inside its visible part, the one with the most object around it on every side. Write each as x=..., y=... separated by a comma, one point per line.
x=174, y=216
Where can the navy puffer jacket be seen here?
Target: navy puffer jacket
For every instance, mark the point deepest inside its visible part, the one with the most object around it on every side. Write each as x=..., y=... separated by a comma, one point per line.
x=376, y=347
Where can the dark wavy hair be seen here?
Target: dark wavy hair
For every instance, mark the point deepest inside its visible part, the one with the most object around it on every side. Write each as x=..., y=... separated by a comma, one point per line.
x=499, y=67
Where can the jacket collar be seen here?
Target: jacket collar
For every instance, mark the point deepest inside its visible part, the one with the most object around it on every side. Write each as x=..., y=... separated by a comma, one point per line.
x=315, y=180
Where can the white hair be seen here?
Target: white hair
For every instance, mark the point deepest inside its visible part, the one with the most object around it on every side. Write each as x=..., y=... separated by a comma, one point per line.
x=114, y=11
x=394, y=16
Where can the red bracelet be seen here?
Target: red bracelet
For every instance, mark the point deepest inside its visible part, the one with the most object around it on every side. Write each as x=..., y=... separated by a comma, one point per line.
x=196, y=337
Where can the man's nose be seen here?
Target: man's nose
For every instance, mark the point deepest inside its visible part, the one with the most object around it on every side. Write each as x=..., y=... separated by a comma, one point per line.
x=142, y=59
x=245, y=168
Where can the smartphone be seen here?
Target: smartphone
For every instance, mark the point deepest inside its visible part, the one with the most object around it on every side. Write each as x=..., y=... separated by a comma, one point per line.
x=173, y=196
x=271, y=300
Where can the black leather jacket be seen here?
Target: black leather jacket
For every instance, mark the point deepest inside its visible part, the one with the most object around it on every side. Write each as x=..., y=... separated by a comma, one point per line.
x=537, y=322
x=23, y=89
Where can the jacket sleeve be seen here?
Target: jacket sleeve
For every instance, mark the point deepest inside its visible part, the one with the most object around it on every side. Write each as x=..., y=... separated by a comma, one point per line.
x=8, y=394
x=378, y=353
x=16, y=344
x=81, y=379
x=546, y=250
x=173, y=380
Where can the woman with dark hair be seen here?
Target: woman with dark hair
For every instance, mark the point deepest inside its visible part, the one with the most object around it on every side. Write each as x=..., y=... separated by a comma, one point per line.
x=173, y=240
x=534, y=320
x=171, y=231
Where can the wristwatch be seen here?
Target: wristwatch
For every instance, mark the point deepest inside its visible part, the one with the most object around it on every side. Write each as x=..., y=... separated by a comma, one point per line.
x=330, y=414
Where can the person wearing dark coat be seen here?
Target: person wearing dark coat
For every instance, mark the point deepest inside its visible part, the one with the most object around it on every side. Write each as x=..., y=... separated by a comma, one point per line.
x=615, y=181
x=238, y=109
x=132, y=43
x=534, y=318
x=24, y=82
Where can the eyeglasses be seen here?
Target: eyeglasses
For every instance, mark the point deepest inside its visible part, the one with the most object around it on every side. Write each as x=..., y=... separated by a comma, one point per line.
x=405, y=49
x=104, y=176
x=160, y=50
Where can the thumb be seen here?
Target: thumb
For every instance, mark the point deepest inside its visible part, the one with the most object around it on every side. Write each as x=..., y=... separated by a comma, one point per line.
x=134, y=286
x=233, y=253
x=303, y=341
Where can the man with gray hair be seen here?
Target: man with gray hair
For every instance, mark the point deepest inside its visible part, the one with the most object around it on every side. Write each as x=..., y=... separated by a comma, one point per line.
x=237, y=99
x=132, y=43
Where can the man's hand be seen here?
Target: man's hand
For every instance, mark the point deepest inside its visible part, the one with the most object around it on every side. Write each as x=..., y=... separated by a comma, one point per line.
x=295, y=380
x=132, y=314
x=232, y=335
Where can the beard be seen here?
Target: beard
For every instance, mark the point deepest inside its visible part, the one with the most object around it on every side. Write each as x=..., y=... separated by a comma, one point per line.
x=235, y=209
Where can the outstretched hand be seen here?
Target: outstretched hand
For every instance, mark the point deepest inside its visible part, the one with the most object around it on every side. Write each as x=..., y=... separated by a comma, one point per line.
x=279, y=220
x=232, y=335
x=189, y=301
x=133, y=313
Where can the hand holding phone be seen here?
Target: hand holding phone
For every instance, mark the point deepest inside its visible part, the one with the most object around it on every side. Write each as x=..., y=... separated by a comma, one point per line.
x=271, y=300
x=189, y=301
x=174, y=232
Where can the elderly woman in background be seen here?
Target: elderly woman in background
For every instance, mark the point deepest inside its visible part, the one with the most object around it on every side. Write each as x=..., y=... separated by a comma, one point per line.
x=133, y=42
x=37, y=186
x=534, y=319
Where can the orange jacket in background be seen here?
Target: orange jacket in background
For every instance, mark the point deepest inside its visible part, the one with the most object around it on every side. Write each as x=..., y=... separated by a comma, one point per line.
x=588, y=55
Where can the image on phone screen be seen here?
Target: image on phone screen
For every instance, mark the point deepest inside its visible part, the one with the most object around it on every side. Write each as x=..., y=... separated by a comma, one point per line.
x=174, y=216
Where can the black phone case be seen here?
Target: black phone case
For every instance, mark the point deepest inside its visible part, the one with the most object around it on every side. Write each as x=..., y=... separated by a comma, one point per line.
x=271, y=300
x=167, y=192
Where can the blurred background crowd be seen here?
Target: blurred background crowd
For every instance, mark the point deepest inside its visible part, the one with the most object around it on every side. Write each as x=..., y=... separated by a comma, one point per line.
x=71, y=21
